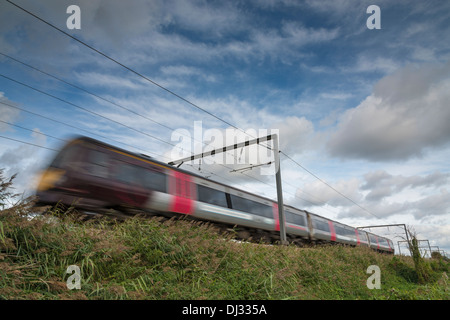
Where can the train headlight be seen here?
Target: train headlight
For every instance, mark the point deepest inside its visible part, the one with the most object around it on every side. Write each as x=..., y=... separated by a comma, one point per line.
x=49, y=178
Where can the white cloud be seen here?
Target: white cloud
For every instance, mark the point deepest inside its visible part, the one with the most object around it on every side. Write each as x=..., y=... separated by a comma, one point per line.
x=182, y=72
x=433, y=205
x=299, y=35
x=336, y=95
x=368, y=63
x=296, y=135
x=438, y=235
x=320, y=194
x=407, y=113
x=283, y=43
x=108, y=81
x=211, y=20
x=287, y=43
x=24, y=160
x=7, y=113
x=382, y=184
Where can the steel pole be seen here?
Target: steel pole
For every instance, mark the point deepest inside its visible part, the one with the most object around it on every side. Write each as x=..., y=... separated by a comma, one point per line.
x=279, y=190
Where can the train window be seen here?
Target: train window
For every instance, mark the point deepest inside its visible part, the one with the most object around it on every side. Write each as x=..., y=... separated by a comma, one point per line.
x=154, y=180
x=295, y=218
x=362, y=236
x=212, y=196
x=127, y=173
x=250, y=206
x=343, y=231
x=67, y=158
x=321, y=225
x=98, y=163
x=373, y=239
x=340, y=230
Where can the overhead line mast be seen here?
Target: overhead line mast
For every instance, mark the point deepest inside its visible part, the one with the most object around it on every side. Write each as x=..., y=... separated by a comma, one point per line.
x=270, y=137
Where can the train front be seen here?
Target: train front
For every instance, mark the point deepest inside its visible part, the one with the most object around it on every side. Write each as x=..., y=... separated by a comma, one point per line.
x=61, y=181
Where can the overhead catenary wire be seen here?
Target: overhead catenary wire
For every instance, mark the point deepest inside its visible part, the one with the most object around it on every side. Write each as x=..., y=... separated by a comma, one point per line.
x=34, y=131
x=175, y=94
x=327, y=184
x=29, y=143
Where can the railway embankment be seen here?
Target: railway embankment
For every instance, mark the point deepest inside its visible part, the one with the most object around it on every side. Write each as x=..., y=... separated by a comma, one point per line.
x=59, y=256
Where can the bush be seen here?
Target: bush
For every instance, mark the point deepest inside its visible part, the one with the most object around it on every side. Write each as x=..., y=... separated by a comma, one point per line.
x=404, y=270
x=5, y=193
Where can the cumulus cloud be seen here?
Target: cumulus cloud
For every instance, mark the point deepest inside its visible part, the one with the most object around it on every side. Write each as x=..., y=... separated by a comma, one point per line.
x=434, y=232
x=433, y=205
x=382, y=184
x=407, y=113
x=296, y=135
x=319, y=194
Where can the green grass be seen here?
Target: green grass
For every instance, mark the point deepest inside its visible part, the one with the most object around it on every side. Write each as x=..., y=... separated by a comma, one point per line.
x=149, y=259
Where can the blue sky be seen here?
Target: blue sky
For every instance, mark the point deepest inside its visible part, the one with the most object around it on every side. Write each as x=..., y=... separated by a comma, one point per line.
x=365, y=110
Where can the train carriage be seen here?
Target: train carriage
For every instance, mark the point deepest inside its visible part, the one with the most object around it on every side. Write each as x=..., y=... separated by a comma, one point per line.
x=296, y=222
x=322, y=229
x=362, y=238
x=345, y=234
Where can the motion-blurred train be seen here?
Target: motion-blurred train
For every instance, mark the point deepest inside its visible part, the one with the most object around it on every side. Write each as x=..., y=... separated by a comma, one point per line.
x=90, y=174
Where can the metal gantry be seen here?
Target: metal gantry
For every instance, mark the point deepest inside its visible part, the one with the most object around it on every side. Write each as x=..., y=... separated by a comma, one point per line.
x=392, y=225
x=270, y=137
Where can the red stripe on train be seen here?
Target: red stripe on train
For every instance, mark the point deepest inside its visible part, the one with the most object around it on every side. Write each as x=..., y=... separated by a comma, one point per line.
x=358, y=241
x=276, y=217
x=332, y=231
x=182, y=205
x=183, y=191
